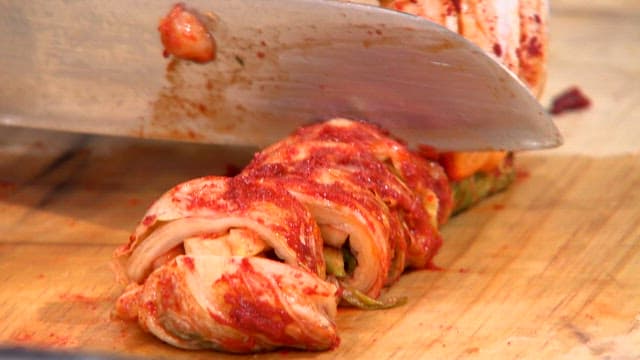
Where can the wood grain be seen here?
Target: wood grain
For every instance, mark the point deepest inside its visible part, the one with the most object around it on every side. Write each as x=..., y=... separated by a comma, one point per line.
x=547, y=269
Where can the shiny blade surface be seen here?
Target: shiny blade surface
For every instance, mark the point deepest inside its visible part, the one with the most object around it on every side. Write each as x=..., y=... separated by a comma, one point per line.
x=97, y=66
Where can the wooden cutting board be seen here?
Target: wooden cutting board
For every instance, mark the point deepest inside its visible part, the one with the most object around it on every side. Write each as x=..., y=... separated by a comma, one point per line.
x=548, y=269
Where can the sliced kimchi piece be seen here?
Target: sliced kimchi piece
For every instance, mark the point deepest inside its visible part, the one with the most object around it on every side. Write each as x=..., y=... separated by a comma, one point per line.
x=234, y=304
x=220, y=206
x=352, y=167
x=460, y=165
x=345, y=208
x=470, y=190
x=185, y=36
x=426, y=178
x=361, y=156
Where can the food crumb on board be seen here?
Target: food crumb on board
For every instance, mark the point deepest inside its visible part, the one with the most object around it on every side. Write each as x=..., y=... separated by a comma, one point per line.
x=498, y=207
x=472, y=350
x=571, y=99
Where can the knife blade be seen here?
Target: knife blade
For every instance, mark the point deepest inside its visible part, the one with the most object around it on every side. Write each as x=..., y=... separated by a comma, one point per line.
x=97, y=67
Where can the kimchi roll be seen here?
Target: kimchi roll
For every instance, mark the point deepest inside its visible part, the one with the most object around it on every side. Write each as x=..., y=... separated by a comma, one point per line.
x=192, y=242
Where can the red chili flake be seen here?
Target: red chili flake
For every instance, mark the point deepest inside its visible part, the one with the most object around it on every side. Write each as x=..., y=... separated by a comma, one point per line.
x=311, y=290
x=534, y=47
x=498, y=207
x=463, y=270
x=148, y=220
x=497, y=49
x=151, y=308
x=456, y=4
x=260, y=55
x=188, y=262
x=522, y=174
x=570, y=99
x=133, y=201
x=537, y=19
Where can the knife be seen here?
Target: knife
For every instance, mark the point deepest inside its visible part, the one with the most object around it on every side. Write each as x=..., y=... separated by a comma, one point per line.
x=97, y=67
